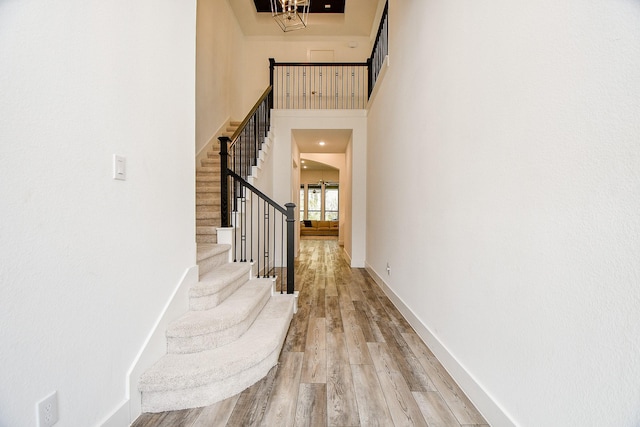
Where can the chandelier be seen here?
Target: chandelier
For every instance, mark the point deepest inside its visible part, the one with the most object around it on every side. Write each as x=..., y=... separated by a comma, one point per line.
x=290, y=14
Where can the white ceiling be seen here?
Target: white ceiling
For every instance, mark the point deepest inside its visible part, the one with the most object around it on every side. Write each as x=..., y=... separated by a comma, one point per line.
x=308, y=140
x=311, y=165
x=357, y=20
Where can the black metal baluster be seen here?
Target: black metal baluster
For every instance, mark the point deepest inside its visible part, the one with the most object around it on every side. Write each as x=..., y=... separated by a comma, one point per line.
x=304, y=86
x=258, y=236
x=266, y=240
x=288, y=90
x=282, y=253
x=337, y=87
x=275, y=251
x=235, y=221
x=251, y=201
x=320, y=69
x=243, y=228
x=353, y=84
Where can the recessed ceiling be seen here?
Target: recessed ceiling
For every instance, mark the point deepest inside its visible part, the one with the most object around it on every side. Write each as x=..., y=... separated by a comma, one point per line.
x=335, y=140
x=316, y=6
x=356, y=20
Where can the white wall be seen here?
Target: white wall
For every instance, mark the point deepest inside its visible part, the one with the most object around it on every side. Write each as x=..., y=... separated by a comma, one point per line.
x=86, y=262
x=512, y=129
x=219, y=44
x=345, y=230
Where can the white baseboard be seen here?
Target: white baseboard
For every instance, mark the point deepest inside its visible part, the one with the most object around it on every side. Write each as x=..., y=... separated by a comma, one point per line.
x=119, y=417
x=483, y=401
x=155, y=345
x=346, y=255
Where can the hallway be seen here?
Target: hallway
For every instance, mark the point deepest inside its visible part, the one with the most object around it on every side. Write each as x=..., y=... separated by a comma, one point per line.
x=349, y=359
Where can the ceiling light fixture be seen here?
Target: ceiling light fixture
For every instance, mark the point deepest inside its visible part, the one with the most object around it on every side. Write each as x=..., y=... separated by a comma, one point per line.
x=321, y=142
x=290, y=14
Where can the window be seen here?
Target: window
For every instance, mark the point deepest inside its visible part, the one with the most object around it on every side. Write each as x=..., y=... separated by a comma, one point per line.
x=319, y=202
x=314, y=199
x=301, y=205
x=331, y=203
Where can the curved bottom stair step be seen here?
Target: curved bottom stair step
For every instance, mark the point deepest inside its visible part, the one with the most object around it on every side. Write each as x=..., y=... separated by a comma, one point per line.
x=200, y=330
x=180, y=381
x=211, y=255
x=216, y=285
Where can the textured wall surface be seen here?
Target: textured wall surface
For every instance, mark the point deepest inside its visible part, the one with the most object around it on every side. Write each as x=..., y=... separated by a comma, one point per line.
x=219, y=49
x=507, y=137
x=86, y=262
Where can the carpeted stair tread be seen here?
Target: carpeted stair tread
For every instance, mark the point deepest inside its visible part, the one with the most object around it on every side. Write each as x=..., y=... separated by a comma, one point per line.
x=208, y=329
x=219, y=278
x=205, y=170
x=209, y=250
x=211, y=161
x=207, y=222
x=208, y=201
x=208, y=189
x=184, y=371
x=210, y=255
x=207, y=212
x=217, y=283
x=206, y=238
x=233, y=310
x=207, y=195
x=207, y=179
x=204, y=229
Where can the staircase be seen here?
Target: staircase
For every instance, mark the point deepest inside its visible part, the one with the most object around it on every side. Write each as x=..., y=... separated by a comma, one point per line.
x=228, y=340
x=236, y=324
x=208, y=192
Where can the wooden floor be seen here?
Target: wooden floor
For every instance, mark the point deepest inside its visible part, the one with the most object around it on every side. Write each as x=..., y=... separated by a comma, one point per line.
x=349, y=359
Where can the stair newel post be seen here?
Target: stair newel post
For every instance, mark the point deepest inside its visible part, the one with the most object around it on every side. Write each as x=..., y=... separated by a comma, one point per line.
x=224, y=180
x=291, y=221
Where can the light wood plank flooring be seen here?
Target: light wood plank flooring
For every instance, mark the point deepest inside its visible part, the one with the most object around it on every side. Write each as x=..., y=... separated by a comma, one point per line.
x=349, y=359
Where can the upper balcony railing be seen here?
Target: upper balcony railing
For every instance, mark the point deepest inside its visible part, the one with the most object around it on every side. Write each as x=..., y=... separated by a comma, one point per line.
x=380, y=49
x=330, y=85
x=326, y=85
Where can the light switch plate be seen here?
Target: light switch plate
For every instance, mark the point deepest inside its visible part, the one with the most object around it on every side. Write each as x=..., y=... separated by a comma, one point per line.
x=119, y=167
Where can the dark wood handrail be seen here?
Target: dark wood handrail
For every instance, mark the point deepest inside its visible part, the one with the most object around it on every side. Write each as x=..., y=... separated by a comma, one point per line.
x=263, y=196
x=321, y=64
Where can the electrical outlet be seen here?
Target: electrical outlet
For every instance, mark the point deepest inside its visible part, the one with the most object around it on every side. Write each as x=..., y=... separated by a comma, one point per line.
x=388, y=269
x=47, y=410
